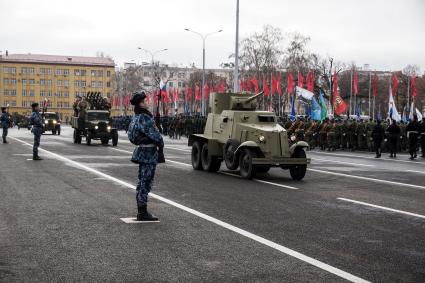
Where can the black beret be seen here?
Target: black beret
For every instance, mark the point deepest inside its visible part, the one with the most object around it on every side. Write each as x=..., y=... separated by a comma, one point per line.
x=34, y=105
x=138, y=97
x=3, y=109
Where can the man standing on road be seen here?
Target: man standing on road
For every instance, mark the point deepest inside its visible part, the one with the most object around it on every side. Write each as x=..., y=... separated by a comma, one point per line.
x=149, y=151
x=37, y=129
x=394, y=133
x=413, y=130
x=423, y=137
x=378, y=135
x=5, y=122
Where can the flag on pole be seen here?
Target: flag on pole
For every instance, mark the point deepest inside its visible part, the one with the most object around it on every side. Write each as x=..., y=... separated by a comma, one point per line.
x=279, y=85
x=392, y=110
x=254, y=81
x=316, y=110
x=300, y=79
x=323, y=108
x=206, y=91
x=197, y=94
x=304, y=93
x=358, y=111
x=266, y=88
x=355, y=83
x=338, y=103
x=242, y=85
x=413, y=85
x=395, y=83
x=290, y=83
x=292, y=116
x=414, y=111
x=274, y=84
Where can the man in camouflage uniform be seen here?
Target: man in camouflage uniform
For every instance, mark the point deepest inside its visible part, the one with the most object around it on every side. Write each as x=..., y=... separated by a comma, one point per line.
x=37, y=129
x=323, y=134
x=369, y=139
x=331, y=141
x=423, y=136
x=144, y=133
x=352, y=135
x=344, y=136
x=403, y=137
x=4, y=123
x=309, y=131
x=361, y=135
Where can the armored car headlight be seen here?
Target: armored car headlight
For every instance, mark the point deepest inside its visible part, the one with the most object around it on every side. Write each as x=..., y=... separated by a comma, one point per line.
x=96, y=127
x=54, y=121
x=46, y=122
x=261, y=138
x=293, y=138
x=109, y=128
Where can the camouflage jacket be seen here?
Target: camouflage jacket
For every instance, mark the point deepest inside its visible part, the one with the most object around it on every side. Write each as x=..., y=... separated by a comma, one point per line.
x=36, y=120
x=5, y=120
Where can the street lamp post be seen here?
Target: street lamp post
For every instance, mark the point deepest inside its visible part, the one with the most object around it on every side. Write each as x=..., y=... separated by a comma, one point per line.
x=236, y=70
x=204, y=37
x=153, y=73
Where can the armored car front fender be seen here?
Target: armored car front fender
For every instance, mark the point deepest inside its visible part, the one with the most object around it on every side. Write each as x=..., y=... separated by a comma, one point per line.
x=300, y=144
x=251, y=144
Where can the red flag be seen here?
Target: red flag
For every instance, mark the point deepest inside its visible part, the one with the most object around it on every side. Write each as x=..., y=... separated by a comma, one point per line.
x=375, y=80
x=339, y=104
x=290, y=83
x=355, y=83
x=206, y=91
x=300, y=80
x=266, y=88
x=223, y=86
x=310, y=81
x=242, y=85
x=248, y=85
x=307, y=80
x=279, y=85
x=413, y=85
x=395, y=83
x=254, y=81
x=197, y=94
x=274, y=85
x=175, y=95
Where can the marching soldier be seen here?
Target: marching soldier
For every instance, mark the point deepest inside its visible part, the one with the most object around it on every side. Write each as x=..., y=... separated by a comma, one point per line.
x=369, y=139
x=352, y=136
x=344, y=136
x=323, y=134
x=393, y=136
x=413, y=130
x=378, y=134
x=331, y=136
x=37, y=129
x=361, y=135
x=423, y=137
x=5, y=123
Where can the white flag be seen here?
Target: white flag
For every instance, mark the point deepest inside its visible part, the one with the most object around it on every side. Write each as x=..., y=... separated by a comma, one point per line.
x=304, y=93
x=392, y=110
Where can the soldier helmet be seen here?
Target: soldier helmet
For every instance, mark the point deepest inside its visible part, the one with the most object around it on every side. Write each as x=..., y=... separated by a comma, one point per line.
x=34, y=105
x=138, y=97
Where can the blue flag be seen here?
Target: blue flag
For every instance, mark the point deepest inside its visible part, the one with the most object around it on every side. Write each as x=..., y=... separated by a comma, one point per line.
x=316, y=113
x=293, y=115
x=358, y=111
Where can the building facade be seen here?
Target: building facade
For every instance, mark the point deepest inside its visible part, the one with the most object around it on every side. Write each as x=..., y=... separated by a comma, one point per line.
x=29, y=78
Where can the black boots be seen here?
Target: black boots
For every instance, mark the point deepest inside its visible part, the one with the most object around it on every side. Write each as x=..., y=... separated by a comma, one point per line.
x=36, y=157
x=144, y=215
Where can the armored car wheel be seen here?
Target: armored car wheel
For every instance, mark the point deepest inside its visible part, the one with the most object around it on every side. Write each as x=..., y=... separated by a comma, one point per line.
x=196, y=155
x=298, y=171
x=247, y=169
x=209, y=163
x=230, y=157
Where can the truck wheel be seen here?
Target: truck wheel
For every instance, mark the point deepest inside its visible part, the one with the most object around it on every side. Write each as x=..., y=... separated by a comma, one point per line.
x=196, y=155
x=105, y=141
x=115, y=139
x=298, y=171
x=230, y=157
x=247, y=169
x=88, y=139
x=209, y=163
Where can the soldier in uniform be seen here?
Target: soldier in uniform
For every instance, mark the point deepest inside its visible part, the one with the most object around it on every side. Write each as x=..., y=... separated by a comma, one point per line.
x=83, y=105
x=344, y=136
x=5, y=123
x=378, y=134
x=413, y=130
x=331, y=136
x=37, y=129
x=393, y=136
x=143, y=129
x=403, y=137
x=323, y=134
x=309, y=130
x=361, y=135
x=352, y=136
x=369, y=139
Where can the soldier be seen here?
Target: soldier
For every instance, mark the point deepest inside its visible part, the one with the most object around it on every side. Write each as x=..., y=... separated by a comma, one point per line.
x=83, y=105
x=37, y=129
x=344, y=136
x=352, y=136
x=413, y=130
x=361, y=135
x=146, y=136
x=393, y=136
x=403, y=137
x=369, y=139
x=5, y=123
x=423, y=137
x=75, y=106
x=309, y=130
x=378, y=134
x=323, y=134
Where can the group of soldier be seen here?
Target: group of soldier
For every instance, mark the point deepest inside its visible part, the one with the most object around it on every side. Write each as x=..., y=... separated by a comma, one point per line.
x=334, y=134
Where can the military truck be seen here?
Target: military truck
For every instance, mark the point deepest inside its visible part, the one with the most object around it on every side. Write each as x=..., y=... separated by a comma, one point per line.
x=51, y=122
x=242, y=137
x=95, y=125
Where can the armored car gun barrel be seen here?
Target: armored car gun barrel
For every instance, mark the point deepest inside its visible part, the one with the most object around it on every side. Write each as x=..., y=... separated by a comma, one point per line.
x=245, y=138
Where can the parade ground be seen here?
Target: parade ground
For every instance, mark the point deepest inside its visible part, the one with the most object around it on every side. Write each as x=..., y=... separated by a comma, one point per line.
x=352, y=218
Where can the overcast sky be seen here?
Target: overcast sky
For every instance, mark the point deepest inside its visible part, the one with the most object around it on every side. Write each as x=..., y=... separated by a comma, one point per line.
x=388, y=35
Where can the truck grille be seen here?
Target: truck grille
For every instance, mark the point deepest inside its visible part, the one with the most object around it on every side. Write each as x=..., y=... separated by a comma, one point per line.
x=102, y=126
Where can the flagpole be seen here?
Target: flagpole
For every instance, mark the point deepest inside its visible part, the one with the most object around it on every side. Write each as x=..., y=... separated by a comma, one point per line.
x=370, y=83
x=408, y=92
x=235, y=72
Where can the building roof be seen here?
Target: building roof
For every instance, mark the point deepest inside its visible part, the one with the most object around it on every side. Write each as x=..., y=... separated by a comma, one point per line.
x=57, y=59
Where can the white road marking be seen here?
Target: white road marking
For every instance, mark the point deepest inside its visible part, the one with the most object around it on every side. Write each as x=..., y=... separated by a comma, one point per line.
x=368, y=179
x=261, y=181
x=367, y=157
x=343, y=162
x=259, y=239
x=132, y=220
x=414, y=171
x=383, y=207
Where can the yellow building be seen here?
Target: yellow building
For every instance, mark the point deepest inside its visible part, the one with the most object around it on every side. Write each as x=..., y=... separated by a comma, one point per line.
x=29, y=78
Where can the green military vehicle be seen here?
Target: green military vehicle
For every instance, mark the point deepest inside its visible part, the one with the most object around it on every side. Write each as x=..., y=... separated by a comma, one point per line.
x=51, y=122
x=95, y=125
x=242, y=137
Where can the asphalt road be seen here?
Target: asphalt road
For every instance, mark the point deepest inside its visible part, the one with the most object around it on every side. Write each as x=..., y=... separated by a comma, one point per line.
x=353, y=218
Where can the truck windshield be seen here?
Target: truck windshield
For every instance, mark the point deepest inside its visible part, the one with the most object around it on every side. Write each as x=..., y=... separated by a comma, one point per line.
x=50, y=116
x=98, y=115
x=266, y=119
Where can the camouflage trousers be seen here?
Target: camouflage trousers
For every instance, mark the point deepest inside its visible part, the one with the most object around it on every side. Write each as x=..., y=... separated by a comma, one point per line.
x=4, y=134
x=144, y=183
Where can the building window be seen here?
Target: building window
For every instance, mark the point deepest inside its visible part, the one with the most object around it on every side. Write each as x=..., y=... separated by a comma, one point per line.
x=5, y=92
x=100, y=73
x=99, y=84
x=93, y=84
x=5, y=103
x=179, y=84
x=9, y=70
x=12, y=92
x=31, y=81
x=49, y=93
x=76, y=83
x=66, y=83
x=170, y=84
x=93, y=73
x=83, y=83
x=49, y=82
x=31, y=93
x=43, y=93
x=77, y=72
x=42, y=82
x=5, y=81
x=24, y=103
x=58, y=72
x=24, y=92
x=59, y=83
x=146, y=74
x=108, y=73
x=66, y=94
x=12, y=81
x=66, y=72
x=24, y=82
x=108, y=84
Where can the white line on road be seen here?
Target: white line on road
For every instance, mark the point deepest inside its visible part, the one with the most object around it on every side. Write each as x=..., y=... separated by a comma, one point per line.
x=368, y=179
x=262, y=181
x=259, y=239
x=414, y=171
x=382, y=207
x=343, y=162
